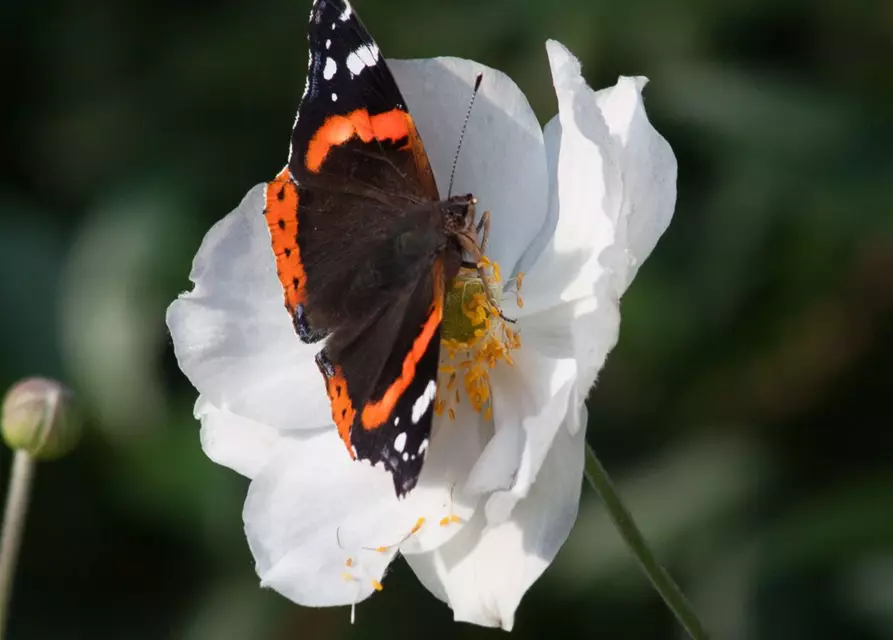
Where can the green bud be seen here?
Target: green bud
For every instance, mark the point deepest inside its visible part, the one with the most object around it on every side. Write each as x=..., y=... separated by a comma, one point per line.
x=39, y=417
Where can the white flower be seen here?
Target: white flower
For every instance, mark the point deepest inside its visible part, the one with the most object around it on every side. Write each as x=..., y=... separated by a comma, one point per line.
x=578, y=207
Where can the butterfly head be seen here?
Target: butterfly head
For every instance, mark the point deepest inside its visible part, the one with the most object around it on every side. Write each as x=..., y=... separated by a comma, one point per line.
x=458, y=214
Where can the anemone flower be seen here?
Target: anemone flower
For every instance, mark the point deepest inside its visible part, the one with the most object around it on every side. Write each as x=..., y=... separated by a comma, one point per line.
x=576, y=208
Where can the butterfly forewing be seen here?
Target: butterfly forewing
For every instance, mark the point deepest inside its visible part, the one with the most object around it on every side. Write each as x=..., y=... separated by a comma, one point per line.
x=353, y=130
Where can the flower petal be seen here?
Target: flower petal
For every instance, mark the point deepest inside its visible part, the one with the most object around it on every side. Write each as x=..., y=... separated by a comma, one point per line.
x=530, y=402
x=485, y=570
x=294, y=514
x=613, y=184
x=312, y=508
x=232, y=335
x=243, y=445
x=587, y=189
x=552, y=147
x=648, y=166
x=501, y=161
x=440, y=496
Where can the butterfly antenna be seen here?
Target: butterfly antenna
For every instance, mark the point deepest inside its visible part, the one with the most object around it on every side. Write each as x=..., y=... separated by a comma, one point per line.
x=477, y=85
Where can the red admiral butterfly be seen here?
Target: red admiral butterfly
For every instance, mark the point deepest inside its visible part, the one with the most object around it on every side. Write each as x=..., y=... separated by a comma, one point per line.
x=365, y=246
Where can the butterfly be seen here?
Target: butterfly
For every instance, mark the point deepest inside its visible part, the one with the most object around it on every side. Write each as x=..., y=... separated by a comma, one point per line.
x=365, y=246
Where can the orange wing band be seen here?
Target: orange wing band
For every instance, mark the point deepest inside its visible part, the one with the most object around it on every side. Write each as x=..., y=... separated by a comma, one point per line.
x=343, y=412
x=281, y=213
x=376, y=413
x=337, y=130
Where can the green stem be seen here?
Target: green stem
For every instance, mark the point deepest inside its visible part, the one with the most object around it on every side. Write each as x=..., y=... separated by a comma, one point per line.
x=623, y=520
x=13, y=527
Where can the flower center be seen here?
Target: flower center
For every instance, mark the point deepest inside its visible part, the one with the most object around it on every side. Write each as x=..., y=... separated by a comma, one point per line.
x=474, y=338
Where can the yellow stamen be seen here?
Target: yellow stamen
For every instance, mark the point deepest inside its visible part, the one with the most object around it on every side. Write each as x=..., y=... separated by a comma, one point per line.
x=348, y=562
x=347, y=577
x=450, y=519
x=475, y=337
x=519, y=281
x=381, y=549
x=377, y=585
x=417, y=526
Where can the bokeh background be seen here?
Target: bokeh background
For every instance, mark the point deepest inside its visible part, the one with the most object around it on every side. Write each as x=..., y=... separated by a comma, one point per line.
x=746, y=412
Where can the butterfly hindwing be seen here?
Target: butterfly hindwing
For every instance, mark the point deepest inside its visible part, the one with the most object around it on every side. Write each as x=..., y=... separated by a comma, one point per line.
x=384, y=375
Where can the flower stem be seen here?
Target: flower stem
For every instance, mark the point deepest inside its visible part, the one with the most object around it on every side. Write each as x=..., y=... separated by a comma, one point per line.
x=624, y=522
x=13, y=527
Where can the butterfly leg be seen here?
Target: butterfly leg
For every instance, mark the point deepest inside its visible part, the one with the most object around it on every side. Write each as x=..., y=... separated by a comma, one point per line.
x=484, y=225
x=469, y=245
x=468, y=240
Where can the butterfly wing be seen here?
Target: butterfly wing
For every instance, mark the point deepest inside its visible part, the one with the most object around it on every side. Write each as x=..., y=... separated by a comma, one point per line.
x=353, y=131
x=358, y=240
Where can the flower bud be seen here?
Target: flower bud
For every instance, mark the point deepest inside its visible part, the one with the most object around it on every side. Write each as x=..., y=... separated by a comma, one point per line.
x=39, y=417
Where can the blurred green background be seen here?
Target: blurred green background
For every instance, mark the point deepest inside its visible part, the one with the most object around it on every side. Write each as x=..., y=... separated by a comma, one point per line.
x=746, y=412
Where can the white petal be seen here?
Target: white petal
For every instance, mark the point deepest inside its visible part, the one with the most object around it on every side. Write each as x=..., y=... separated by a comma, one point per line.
x=613, y=185
x=229, y=439
x=526, y=406
x=502, y=160
x=485, y=570
x=552, y=146
x=455, y=447
x=587, y=189
x=309, y=514
x=312, y=508
x=534, y=397
x=232, y=334
x=648, y=167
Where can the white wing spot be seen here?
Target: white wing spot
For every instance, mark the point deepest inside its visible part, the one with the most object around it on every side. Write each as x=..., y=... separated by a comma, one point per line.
x=346, y=13
x=330, y=69
x=334, y=97
x=365, y=56
x=400, y=441
x=423, y=447
x=424, y=401
x=396, y=420
x=333, y=26
x=405, y=457
x=328, y=43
